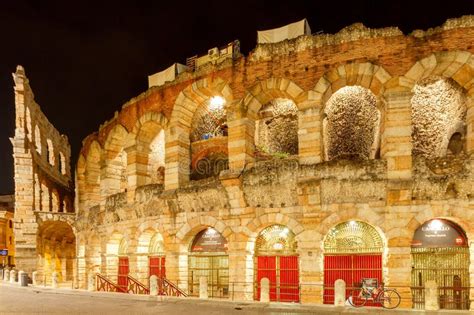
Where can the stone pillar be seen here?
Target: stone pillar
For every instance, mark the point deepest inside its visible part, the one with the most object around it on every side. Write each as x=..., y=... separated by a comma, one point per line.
x=241, y=141
x=203, y=293
x=265, y=290
x=91, y=282
x=34, y=277
x=6, y=276
x=153, y=285
x=55, y=279
x=431, y=296
x=339, y=292
x=177, y=157
x=20, y=273
x=12, y=276
x=309, y=136
x=396, y=145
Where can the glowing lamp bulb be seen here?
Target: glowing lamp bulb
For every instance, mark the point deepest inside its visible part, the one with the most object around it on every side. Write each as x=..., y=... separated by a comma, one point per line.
x=216, y=103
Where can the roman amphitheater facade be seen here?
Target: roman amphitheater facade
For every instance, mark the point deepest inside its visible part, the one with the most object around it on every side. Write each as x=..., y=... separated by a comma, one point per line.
x=312, y=159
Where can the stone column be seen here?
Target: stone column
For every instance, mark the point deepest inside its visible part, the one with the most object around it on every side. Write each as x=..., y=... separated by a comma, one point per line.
x=12, y=276
x=91, y=282
x=265, y=290
x=34, y=277
x=153, y=285
x=177, y=157
x=55, y=280
x=431, y=296
x=203, y=292
x=339, y=292
x=6, y=276
x=396, y=145
x=241, y=141
x=309, y=136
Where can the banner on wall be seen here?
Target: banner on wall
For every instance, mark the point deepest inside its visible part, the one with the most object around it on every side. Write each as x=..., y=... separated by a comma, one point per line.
x=439, y=233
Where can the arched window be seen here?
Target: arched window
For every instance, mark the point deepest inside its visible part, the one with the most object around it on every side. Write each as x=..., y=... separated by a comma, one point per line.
x=438, y=116
x=276, y=130
x=50, y=152
x=37, y=139
x=351, y=124
x=208, y=139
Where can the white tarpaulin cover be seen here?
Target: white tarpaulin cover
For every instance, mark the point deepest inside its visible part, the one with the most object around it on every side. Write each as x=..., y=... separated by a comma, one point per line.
x=289, y=31
x=166, y=75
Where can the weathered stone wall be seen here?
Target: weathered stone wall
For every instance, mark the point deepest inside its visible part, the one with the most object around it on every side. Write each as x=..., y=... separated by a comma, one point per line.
x=391, y=188
x=43, y=183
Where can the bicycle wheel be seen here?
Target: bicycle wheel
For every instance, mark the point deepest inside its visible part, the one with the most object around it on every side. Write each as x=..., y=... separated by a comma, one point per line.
x=389, y=298
x=357, y=298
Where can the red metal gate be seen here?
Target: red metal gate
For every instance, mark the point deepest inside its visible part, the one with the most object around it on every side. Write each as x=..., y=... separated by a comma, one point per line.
x=283, y=273
x=351, y=269
x=123, y=270
x=157, y=267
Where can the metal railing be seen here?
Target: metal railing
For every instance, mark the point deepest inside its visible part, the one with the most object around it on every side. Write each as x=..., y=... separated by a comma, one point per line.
x=136, y=287
x=166, y=287
x=106, y=285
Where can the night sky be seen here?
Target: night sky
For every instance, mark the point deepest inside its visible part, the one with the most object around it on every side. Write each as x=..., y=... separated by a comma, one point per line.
x=84, y=60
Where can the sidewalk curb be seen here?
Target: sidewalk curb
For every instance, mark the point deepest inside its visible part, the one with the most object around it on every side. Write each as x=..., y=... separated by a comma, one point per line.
x=273, y=306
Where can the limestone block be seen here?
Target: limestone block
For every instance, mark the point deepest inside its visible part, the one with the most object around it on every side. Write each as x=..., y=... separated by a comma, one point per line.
x=13, y=276
x=154, y=285
x=431, y=296
x=265, y=290
x=339, y=292
x=203, y=293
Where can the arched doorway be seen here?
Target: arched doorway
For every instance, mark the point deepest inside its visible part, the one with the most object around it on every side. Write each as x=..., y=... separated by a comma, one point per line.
x=440, y=252
x=352, y=251
x=123, y=265
x=209, y=259
x=56, y=250
x=156, y=260
x=276, y=259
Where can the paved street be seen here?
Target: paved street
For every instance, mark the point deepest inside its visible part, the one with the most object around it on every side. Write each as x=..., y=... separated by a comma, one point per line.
x=16, y=300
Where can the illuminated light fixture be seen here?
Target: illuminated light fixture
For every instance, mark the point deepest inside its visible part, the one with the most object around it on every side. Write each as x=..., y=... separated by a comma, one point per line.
x=436, y=225
x=216, y=103
x=352, y=223
x=278, y=246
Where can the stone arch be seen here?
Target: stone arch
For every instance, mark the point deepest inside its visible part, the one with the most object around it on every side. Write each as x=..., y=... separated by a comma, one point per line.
x=114, y=170
x=362, y=82
x=253, y=229
x=149, y=139
x=366, y=215
x=187, y=232
x=265, y=91
x=457, y=66
x=178, y=157
x=57, y=250
x=92, y=175
x=366, y=75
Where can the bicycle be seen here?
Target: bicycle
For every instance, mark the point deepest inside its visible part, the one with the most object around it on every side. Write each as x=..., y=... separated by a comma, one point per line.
x=387, y=298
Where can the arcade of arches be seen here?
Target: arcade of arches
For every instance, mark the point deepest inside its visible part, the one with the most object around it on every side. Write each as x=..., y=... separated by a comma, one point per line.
x=279, y=165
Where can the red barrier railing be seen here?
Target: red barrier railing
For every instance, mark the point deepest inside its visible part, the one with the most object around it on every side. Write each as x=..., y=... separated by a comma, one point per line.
x=104, y=284
x=136, y=287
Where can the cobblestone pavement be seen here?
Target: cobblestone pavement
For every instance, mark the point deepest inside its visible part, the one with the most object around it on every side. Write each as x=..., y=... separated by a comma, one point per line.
x=17, y=300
